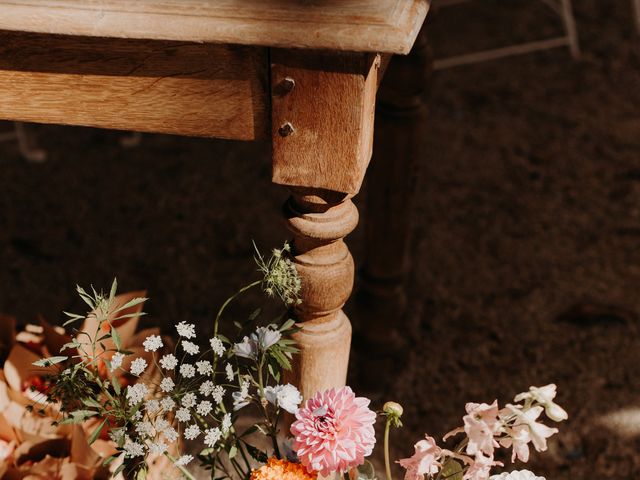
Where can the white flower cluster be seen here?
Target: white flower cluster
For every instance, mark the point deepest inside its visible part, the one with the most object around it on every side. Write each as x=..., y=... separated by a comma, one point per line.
x=185, y=391
x=182, y=399
x=152, y=343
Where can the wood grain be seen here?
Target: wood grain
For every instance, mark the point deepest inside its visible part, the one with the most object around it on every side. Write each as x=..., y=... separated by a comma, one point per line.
x=330, y=114
x=319, y=221
x=351, y=25
x=322, y=130
x=150, y=86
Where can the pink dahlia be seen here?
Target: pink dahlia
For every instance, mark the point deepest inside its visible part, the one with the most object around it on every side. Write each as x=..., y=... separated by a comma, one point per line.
x=334, y=431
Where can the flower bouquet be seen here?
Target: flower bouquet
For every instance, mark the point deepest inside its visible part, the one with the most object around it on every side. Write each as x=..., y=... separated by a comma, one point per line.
x=221, y=408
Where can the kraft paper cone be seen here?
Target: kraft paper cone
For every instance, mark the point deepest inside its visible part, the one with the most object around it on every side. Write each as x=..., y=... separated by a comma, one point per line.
x=17, y=423
x=73, y=471
x=81, y=452
x=54, y=338
x=54, y=460
x=7, y=432
x=18, y=370
x=37, y=451
x=30, y=427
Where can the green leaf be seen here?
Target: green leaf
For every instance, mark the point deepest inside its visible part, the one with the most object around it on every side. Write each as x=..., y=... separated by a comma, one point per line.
x=287, y=325
x=255, y=314
x=79, y=416
x=96, y=433
x=73, y=344
x=73, y=317
x=111, y=459
x=129, y=315
x=233, y=451
x=452, y=470
x=114, y=287
x=103, y=337
x=116, y=385
x=85, y=296
x=47, y=362
x=91, y=402
x=116, y=338
x=131, y=303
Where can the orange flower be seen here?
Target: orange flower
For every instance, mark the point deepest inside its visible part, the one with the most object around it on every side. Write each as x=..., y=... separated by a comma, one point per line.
x=281, y=470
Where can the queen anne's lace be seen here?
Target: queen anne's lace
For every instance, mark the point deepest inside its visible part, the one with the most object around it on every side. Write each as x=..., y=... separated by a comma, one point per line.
x=186, y=330
x=152, y=343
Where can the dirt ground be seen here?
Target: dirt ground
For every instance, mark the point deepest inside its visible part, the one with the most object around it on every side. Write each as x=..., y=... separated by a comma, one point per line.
x=525, y=261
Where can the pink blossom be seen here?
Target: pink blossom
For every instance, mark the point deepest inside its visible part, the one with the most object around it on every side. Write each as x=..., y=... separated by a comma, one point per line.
x=334, y=431
x=518, y=437
x=538, y=431
x=424, y=461
x=480, y=468
x=480, y=424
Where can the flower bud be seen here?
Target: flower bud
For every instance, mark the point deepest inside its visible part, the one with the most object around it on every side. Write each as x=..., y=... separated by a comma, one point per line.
x=555, y=412
x=393, y=409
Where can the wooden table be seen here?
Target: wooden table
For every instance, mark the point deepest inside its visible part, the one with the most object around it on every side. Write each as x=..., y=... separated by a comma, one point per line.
x=302, y=74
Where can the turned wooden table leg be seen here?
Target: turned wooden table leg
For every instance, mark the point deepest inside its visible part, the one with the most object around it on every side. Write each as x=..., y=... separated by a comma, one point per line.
x=319, y=220
x=322, y=114
x=400, y=117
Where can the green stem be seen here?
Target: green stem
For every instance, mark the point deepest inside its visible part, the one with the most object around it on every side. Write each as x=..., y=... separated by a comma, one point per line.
x=272, y=428
x=183, y=470
x=387, y=464
x=229, y=300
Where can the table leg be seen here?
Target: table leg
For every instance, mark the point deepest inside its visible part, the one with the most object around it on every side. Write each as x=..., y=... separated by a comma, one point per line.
x=322, y=133
x=400, y=117
x=319, y=221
